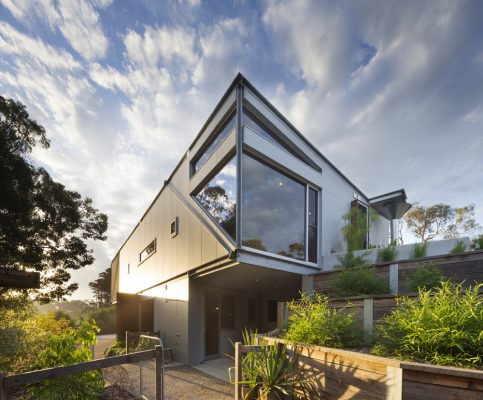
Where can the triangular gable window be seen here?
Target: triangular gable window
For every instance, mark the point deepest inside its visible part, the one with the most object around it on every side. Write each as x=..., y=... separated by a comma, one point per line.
x=218, y=198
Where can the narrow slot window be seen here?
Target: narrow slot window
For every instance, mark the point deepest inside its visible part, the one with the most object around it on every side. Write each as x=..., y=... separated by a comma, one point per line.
x=313, y=219
x=148, y=251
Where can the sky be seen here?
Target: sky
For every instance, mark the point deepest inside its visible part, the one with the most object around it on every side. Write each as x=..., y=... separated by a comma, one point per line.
x=390, y=91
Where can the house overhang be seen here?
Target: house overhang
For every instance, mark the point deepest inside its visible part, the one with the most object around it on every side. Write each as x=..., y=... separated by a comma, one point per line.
x=391, y=205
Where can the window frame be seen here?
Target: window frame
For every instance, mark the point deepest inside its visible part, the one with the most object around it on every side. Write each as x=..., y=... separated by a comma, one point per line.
x=176, y=229
x=225, y=121
x=149, y=255
x=222, y=164
x=307, y=185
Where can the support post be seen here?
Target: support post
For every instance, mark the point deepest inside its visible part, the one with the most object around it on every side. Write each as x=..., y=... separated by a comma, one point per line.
x=394, y=278
x=127, y=345
x=282, y=315
x=238, y=371
x=158, y=372
x=393, y=383
x=3, y=395
x=368, y=320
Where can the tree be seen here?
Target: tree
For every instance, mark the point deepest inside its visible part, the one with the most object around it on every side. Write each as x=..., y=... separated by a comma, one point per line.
x=101, y=288
x=440, y=220
x=43, y=226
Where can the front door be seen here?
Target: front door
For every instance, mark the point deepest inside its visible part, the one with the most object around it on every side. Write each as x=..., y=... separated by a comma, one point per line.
x=212, y=310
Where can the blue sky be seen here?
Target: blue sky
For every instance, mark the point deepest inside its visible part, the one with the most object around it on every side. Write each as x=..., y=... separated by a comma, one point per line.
x=390, y=91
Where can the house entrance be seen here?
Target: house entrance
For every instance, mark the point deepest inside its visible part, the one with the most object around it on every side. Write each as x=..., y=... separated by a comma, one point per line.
x=212, y=327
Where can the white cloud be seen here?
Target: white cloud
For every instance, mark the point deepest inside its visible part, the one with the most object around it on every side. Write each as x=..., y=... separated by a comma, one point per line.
x=15, y=43
x=163, y=44
x=78, y=21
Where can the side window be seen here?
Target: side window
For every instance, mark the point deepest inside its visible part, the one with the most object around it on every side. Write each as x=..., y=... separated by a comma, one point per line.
x=148, y=251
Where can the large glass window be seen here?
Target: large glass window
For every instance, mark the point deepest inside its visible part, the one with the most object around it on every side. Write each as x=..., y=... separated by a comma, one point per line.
x=218, y=198
x=220, y=136
x=273, y=213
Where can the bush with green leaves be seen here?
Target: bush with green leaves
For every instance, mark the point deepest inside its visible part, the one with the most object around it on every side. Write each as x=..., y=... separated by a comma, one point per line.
x=477, y=243
x=105, y=318
x=69, y=347
x=442, y=326
x=116, y=348
x=426, y=276
x=272, y=372
x=387, y=254
x=419, y=250
x=459, y=247
x=313, y=322
x=350, y=260
x=358, y=281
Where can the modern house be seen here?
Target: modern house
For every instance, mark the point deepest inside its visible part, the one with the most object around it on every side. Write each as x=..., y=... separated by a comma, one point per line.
x=251, y=208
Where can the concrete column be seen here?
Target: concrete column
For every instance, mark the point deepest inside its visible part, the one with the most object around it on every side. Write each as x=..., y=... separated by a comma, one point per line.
x=307, y=283
x=368, y=320
x=394, y=278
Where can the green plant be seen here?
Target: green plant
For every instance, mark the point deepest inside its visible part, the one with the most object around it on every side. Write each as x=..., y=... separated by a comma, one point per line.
x=349, y=260
x=459, y=247
x=477, y=243
x=313, y=322
x=356, y=227
x=358, y=281
x=116, y=348
x=105, y=318
x=441, y=326
x=426, y=276
x=387, y=254
x=69, y=347
x=419, y=250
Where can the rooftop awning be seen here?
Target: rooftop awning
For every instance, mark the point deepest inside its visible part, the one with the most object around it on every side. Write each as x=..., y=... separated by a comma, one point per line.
x=391, y=205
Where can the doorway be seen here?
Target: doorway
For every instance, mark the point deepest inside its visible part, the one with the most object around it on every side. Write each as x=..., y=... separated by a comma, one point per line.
x=212, y=329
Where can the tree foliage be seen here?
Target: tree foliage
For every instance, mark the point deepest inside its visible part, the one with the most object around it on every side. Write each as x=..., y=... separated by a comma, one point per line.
x=101, y=288
x=356, y=228
x=440, y=220
x=43, y=226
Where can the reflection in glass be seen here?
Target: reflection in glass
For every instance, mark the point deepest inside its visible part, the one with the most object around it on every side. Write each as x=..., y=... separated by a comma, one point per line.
x=273, y=217
x=224, y=132
x=312, y=233
x=218, y=198
x=258, y=128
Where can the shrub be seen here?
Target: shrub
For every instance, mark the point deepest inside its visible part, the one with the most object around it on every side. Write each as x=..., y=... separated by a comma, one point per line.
x=441, y=326
x=313, y=322
x=70, y=347
x=358, y=281
x=419, y=250
x=116, y=348
x=105, y=318
x=427, y=276
x=272, y=373
x=459, y=247
x=24, y=334
x=477, y=243
x=387, y=254
x=349, y=260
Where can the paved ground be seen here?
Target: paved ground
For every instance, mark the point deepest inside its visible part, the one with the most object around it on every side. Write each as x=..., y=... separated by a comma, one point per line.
x=207, y=381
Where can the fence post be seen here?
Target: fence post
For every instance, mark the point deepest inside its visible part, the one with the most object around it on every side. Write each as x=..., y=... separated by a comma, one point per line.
x=127, y=336
x=368, y=319
x=394, y=278
x=158, y=373
x=3, y=395
x=393, y=383
x=238, y=370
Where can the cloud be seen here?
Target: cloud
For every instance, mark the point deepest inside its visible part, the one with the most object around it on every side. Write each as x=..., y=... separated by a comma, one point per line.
x=13, y=42
x=78, y=21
